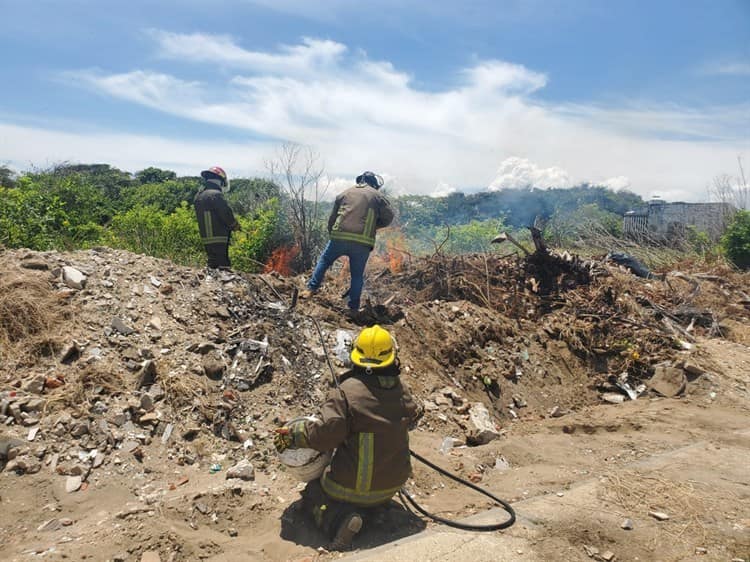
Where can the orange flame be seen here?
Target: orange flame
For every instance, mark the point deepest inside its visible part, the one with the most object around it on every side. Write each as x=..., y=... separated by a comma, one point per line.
x=281, y=260
x=395, y=252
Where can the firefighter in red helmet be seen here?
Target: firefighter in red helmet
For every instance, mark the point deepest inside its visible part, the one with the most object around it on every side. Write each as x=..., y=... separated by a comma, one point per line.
x=215, y=218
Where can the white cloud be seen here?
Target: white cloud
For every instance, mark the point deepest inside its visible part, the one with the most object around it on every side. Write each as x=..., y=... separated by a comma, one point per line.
x=728, y=68
x=26, y=146
x=361, y=113
x=305, y=58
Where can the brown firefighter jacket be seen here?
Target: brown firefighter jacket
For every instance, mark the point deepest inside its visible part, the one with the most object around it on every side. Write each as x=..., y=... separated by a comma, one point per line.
x=215, y=219
x=367, y=422
x=357, y=213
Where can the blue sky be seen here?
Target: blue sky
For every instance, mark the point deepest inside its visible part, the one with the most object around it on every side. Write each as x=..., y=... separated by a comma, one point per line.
x=436, y=96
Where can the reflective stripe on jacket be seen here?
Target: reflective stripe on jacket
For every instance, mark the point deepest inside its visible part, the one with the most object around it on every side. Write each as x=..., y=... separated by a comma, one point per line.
x=357, y=213
x=215, y=218
x=368, y=425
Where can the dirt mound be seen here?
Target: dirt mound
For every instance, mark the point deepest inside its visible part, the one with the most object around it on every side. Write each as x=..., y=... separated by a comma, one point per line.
x=130, y=381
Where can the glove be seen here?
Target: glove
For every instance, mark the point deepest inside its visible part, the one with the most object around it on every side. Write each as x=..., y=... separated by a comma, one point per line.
x=283, y=439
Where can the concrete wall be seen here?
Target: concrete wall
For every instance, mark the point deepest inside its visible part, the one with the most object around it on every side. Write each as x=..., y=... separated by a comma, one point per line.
x=667, y=220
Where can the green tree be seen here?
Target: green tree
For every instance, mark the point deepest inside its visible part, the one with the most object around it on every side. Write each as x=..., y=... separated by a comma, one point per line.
x=167, y=195
x=154, y=175
x=736, y=240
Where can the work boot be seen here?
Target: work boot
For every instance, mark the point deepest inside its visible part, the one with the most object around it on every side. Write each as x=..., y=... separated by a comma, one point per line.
x=306, y=293
x=349, y=527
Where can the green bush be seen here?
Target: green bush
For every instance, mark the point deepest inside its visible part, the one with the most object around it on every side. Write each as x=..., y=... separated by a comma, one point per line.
x=149, y=230
x=736, y=240
x=181, y=239
x=252, y=247
x=138, y=230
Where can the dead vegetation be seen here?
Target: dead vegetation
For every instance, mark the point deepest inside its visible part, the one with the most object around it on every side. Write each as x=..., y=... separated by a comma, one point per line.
x=30, y=311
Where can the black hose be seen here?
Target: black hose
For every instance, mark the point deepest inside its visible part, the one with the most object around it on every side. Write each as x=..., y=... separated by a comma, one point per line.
x=404, y=495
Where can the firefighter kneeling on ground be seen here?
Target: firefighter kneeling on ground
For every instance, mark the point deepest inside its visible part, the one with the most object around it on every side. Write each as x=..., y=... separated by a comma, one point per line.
x=366, y=420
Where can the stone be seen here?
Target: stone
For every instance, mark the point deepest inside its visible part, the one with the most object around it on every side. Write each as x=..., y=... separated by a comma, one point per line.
x=15, y=411
x=627, y=524
x=213, y=367
x=35, y=385
x=556, y=412
x=693, y=369
x=484, y=428
x=70, y=353
x=659, y=515
x=232, y=532
x=156, y=392
x=242, y=470
x=607, y=556
x=79, y=429
x=668, y=381
x=119, y=325
x=98, y=460
x=147, y=374
x=155, y=323
x=147, y=403
x=33, y=405
x=130, y=446
x=701, y=550
x=202, y=508
x=33, y=263
x=73, y=278
x=73, y=484
x=222, y=312
x=27, y=466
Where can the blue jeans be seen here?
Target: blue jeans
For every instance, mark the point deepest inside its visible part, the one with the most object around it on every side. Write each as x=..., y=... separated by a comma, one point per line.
x=357, y=254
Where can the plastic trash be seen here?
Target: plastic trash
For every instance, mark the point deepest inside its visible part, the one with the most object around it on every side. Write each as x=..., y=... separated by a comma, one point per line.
x=343, y=349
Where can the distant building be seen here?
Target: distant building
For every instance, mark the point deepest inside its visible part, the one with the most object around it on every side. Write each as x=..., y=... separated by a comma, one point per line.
x=660, y=220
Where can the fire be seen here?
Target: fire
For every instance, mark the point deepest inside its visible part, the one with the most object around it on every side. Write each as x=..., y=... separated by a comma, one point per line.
x=281, y=260
x=395, y=253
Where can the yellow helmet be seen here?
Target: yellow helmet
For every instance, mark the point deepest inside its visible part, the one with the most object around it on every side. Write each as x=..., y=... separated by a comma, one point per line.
x=373, y=348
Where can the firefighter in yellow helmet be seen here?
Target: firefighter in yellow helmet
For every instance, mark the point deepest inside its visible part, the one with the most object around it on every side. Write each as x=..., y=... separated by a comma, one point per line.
x=366, y=420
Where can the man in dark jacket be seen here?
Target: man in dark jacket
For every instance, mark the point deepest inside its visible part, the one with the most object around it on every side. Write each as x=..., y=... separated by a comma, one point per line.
x=366, y=420
x=215, y=219
x=357, y=213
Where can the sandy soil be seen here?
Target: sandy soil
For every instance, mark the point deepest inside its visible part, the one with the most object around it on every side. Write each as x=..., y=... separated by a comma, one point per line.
x=573, y=479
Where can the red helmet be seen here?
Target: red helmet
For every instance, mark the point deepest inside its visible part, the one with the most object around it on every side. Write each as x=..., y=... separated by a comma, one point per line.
x=215, y=172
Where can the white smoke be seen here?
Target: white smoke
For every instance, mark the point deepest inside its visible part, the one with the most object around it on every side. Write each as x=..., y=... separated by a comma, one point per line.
x=515, y=172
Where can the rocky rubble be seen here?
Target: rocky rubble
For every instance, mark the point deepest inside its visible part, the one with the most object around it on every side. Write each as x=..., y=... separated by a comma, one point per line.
x=148, y=368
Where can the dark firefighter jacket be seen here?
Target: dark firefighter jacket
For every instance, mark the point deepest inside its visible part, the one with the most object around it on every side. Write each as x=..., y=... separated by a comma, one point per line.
x=367, y=422
x=357, y=213
x=215, y=218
